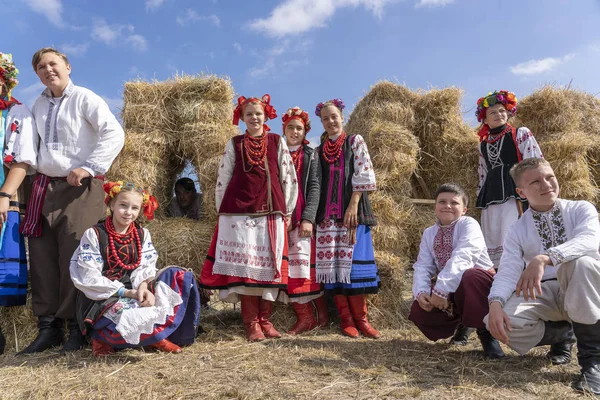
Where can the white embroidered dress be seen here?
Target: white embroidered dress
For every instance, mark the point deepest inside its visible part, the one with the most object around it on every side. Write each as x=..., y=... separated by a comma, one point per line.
x=131, y=319
x=243, y=237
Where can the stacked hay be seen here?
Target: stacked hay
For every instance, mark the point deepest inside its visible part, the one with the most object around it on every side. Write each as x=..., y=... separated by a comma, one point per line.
x=566, y=124
x=184, y=119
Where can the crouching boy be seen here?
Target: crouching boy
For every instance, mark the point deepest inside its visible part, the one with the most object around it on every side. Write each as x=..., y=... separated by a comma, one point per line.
x=454, y=254
x=549, y=276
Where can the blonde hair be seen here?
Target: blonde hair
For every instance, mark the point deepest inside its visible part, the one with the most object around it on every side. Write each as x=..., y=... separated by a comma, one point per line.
x=527, y=164
x=35, y=60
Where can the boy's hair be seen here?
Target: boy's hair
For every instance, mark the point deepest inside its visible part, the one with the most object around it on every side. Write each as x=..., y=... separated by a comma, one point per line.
x=517, y=170
x=187, y=184
x=452, y=188
x=35, y=60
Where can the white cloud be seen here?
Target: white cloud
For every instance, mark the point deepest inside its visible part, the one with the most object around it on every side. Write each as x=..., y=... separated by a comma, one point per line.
x=192, y=16
x=114, y=103
x=74, y=50
x=238, y=47
x=293, y=17
x=29, y=94
x=536, y=67
x=271, y=63
x=113, y=34
x=154, y=4
x=433, y=3
x=51, y=9
x=36, y=88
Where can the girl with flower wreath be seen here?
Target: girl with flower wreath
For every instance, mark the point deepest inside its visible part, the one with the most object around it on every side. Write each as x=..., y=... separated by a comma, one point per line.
x=17, y=132
x=256, y=193
x=302, y=285
x=501, y=146
x=345, y=258
x=124, y=301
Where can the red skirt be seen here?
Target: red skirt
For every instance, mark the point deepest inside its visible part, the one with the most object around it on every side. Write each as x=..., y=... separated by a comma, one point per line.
x=300, y=287
x=209, y=280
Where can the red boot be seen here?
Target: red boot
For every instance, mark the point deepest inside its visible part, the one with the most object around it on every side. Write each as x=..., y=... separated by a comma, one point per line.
x=322, y=317
x=100, y=349
x=250, y=318
x=265, y=309
x=166, y=346
x=358, y=306
x=346, y=320
x=306, y=319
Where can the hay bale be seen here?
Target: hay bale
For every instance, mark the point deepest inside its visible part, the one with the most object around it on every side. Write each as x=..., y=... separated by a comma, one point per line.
x=181, y=241
x=207, y=176
x=389, y=308
x=144, y=106
x=204, y=140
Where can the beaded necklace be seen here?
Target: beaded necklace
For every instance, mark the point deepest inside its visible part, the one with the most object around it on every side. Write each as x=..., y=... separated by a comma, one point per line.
x=296, y=157
x=123, y=239
x=332, y=150
x=255, y=148
x=499, y=135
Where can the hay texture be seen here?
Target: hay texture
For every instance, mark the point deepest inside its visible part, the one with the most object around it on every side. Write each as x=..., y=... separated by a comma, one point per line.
x=566, y=124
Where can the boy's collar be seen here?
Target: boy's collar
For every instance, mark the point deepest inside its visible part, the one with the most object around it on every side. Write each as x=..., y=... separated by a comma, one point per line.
x=553, y=208
x=450, y=224
x=67, y=92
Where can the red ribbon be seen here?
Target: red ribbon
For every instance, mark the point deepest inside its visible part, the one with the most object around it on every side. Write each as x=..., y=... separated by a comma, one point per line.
x=265, y=102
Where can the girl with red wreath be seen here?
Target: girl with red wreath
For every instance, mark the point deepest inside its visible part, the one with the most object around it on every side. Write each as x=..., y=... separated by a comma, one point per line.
x=501, y=146
x=345, y=258
x=123, y=300
x=302, y=285
x=256, y=193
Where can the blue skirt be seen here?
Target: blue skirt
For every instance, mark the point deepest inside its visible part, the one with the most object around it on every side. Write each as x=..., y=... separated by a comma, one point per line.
x=364, y=276
x=180, y=328
x=13, y=264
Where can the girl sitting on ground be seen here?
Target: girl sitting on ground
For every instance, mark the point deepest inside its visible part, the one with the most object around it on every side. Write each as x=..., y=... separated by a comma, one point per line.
x=124, y=301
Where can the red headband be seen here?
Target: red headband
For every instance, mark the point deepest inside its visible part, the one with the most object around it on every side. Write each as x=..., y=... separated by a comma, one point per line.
x=265, y=102
x=149, y=202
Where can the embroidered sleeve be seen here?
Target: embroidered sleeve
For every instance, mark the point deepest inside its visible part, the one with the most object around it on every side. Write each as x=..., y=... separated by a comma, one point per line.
x=110, y=135
x=86, y=269
x=527, y=144
x=481, y=171
x=586, y=234
x=225, y=172
x=363, y=179
x=511, y=266
x=468, y=246
x=424, y=268
x=21, y=141
x=287, y=177
x=147, y=268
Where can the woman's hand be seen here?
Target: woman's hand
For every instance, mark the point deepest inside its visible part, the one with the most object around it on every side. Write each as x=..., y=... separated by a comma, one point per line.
x=306, y=228
x=145, y=297
x=4, y=204
x=351, y=217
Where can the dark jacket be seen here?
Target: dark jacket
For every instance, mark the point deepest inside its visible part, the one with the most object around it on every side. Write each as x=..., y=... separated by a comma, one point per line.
x=311, y=183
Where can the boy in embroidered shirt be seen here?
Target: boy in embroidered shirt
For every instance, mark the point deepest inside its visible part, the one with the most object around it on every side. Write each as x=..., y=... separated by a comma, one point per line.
x=453, y=249
x=557, y=240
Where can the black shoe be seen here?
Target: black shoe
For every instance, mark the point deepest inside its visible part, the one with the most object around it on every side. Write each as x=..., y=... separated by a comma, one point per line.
x=76, y=339
x=588, y=356
x=461, y=335
x=50, y=335
x=588, y=380
x=559, y=335
x=2, y=342
x=491, y=347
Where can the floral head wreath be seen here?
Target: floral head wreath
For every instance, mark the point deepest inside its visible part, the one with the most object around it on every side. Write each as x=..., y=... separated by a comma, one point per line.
x=8, y=72
x=149, y=202
x=339, y=103
x=508, y=99
x=265, y=102
x=296, y=113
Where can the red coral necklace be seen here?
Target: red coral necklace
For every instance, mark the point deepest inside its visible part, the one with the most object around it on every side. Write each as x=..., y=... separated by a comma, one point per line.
x=123, y=239
x=332, y=150
x=255, y=148
x=296, y=156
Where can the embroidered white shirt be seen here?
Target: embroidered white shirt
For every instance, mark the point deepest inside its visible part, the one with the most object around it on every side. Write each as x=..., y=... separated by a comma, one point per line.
x=20, y=145
x=468, y=251
x=87, y=265
x=525, y=241
x=363, y=179
x=76, y=130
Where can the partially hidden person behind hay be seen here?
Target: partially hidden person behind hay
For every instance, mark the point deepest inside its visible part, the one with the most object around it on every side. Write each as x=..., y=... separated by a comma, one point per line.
x=187, y=202
x=302, y=284
x=78, y=139
x=345, y=256
x=17, y=134
x=124, y=301
x=454, y=256
x=501, y=146
x=255, y=196
x=558, y=292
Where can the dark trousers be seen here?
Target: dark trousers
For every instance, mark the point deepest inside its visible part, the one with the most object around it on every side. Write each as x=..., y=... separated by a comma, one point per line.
x=469, y=306
x=67, y=212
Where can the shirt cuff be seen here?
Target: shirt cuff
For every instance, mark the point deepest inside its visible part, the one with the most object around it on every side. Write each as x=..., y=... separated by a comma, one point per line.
x=556, y=256
x=89, y=170
x=443, y=295
x=499, y=299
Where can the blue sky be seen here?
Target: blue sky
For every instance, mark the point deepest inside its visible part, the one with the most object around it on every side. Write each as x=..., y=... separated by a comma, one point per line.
x=306, y=51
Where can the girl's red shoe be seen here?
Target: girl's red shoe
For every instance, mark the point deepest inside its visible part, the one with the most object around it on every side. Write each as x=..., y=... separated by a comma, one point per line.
x=100, y=349
x=167, y=346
